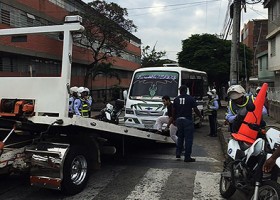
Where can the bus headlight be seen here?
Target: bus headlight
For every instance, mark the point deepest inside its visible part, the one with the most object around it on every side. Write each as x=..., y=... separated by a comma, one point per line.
x=129, y=111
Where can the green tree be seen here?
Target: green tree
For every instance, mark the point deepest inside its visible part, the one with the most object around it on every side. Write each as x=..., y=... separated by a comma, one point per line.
x=208, y=53
x=107, y=31
x=105, y=69
x=151, y=57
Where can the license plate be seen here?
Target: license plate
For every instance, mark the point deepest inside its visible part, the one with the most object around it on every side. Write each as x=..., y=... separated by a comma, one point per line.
x=149, y=126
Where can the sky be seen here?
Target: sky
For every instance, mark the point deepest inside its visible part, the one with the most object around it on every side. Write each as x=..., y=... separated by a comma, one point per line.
x=165, y=23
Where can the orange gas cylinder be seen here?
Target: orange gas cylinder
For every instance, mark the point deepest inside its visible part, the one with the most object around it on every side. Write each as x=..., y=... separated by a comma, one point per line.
x=18, y=107
x=28, y=108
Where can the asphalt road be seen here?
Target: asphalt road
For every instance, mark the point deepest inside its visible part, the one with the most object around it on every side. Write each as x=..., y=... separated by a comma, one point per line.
x=148, y=170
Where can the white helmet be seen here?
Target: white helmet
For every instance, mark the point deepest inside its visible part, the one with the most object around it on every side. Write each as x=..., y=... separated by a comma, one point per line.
x=258, y=88
x=86, y=90
x=210, y=93
x=235, y=91
x=80, y=90
x=73, y=89
x=214, y=91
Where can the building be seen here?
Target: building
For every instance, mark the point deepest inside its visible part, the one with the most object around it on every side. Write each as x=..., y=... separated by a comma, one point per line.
x=254, y=35
x=40, y=55
x=273, y=38
x=264, y=75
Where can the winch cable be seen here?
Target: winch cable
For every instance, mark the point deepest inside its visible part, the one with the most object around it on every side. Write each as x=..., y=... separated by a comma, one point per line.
x=2, y=143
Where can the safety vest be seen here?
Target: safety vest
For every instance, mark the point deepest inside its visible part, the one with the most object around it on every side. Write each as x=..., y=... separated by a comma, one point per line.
x=235, y=107
x=84, y=108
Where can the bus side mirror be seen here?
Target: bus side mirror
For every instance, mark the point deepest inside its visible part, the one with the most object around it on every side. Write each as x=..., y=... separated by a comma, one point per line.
x=125, y=95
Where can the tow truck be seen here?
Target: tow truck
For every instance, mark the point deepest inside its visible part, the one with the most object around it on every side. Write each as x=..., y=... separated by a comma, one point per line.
x=38, y=136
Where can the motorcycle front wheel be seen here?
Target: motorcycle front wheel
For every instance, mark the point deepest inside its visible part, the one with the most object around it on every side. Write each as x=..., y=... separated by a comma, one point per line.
x=227, y=188
x=269, y=190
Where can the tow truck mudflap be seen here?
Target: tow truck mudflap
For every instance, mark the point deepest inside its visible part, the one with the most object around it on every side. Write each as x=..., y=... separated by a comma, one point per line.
x=47, y=161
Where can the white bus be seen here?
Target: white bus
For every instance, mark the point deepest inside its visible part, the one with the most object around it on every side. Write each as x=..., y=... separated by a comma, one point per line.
x=148, y=85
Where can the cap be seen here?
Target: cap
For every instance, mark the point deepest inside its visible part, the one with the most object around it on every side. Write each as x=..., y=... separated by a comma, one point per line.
x=236, y=91
x=235, y=95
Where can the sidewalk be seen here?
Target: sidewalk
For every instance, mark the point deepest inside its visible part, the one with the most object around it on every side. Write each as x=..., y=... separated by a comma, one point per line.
x=224, y=134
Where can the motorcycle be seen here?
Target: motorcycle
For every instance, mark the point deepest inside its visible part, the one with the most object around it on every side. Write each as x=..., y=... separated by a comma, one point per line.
x=243, y=167
x=111, y=113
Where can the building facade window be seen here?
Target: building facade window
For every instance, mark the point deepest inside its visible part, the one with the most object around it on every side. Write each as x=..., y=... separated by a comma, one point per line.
x=65, y=5
x=5, y=17
x=273, y=11
x=273, y=47
x=265, y=62
x=18, y=18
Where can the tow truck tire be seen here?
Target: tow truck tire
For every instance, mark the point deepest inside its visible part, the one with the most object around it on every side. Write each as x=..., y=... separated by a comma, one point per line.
x=75, y=171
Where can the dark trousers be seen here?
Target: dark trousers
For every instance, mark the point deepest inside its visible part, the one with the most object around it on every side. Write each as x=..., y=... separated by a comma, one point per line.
x=213, y=123
x=185, y=130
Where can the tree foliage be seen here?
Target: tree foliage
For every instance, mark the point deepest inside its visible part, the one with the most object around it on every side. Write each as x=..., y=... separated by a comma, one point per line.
x=208, y=53
x=151, y=57
x=107, y=31
x=105, y=69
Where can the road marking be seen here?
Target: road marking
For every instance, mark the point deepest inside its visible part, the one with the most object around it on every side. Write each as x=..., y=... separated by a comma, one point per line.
x=206, y=186
x=98, y=182
x=151, y=184
x=172, y=157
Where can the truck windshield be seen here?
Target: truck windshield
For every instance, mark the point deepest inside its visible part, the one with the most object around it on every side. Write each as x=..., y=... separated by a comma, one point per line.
x=152, y=85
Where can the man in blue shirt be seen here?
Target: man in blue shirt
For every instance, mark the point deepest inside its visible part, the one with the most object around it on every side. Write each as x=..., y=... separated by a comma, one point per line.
x=182, y=114
x=213, y=106
x=73, y=97
x=81, y=105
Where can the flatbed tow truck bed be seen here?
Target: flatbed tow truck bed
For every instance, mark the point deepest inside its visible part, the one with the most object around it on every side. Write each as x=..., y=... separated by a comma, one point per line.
x=37, y=134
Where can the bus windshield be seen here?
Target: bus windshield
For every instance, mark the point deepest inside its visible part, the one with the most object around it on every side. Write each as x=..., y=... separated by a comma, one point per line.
x=152, y=85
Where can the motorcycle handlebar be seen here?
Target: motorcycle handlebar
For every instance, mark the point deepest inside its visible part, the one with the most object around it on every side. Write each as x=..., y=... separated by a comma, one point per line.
x=254, y=127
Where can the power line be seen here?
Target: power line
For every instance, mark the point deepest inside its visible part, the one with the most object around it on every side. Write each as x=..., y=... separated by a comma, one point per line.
x=182, y=7
x=171, y=5
x=227, y=22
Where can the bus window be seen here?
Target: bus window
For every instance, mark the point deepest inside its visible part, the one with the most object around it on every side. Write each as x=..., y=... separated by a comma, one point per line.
x=196, y=85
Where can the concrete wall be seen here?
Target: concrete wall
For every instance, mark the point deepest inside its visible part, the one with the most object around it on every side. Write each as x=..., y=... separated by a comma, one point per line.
x=274, y=110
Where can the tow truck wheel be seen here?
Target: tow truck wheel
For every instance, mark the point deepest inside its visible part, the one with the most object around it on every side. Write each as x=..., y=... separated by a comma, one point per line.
x=75, y=171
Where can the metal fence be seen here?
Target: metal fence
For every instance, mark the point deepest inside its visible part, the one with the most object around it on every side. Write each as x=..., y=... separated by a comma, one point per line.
x=273, y=94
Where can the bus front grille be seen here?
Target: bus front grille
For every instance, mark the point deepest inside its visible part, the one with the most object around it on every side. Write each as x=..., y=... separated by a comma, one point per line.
x=148, y=113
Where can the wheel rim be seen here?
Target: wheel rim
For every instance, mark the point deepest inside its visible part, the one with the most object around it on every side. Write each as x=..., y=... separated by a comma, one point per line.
x=267, y=192
x=78, y=169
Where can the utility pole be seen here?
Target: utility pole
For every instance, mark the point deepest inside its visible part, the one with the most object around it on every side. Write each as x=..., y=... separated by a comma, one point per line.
x=234, y=59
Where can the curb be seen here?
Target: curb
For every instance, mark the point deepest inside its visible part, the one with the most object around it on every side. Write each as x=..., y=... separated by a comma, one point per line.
x=224, y=138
